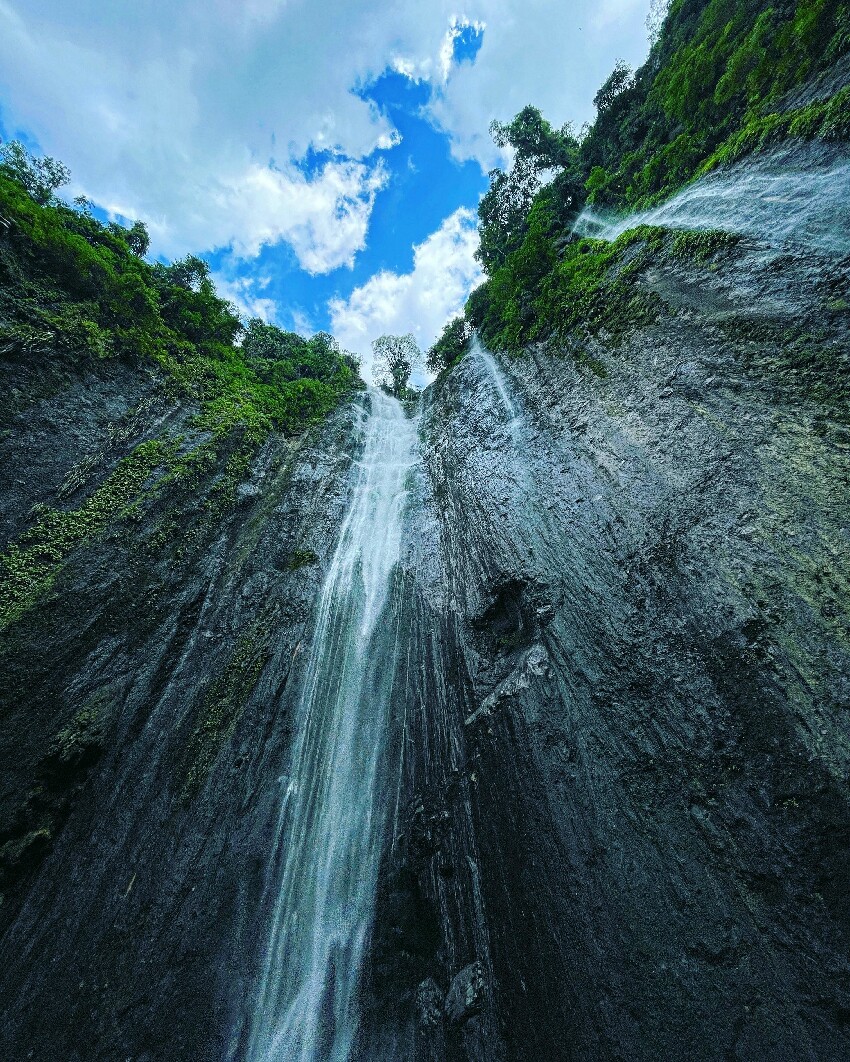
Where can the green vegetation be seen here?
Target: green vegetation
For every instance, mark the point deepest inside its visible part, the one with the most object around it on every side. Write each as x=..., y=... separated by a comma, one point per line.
x=29, y=566
x=223, y=703
x=28, y=833
x=540, y=294
x=70, y=283
x=451, y=346
x=393, y=360
x=301, y=558
x=800, y=364
x=822, y=120
x=72, y=288
x=718, y=68
x=724, y=78
x=504, y=211
x=702, y=245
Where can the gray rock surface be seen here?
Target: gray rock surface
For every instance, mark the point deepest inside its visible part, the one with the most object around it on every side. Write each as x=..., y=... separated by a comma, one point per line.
x=145, y=730
x=626, y=755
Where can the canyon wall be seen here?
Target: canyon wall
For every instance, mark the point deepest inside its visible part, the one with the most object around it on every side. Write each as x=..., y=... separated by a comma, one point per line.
x=616, y=776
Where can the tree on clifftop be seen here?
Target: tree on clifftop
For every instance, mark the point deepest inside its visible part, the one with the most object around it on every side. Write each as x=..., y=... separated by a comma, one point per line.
x=40, y=177
x=394, y=359
x=538, y=149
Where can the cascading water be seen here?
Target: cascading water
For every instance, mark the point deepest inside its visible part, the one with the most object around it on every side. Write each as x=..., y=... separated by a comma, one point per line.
x=330, y=827
x=775, y=199
x=497, y=378
x=534, y=523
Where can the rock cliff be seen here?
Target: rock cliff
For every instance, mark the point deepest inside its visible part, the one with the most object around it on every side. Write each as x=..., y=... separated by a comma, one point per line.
x=626, y=755
x=618, y=766
x=146, y=711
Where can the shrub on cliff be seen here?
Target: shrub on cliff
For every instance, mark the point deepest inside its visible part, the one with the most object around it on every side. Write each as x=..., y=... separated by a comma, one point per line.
x=450, y=347
x=69, y=283
x=719, y=81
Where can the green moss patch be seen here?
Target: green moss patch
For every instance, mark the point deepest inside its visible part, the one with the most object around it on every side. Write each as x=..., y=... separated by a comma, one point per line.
x=704, y=245
x=588, y=287
x=60, y=775
x=29, y=566
x=301, y=558
x=796, y=363
x=823, y=120
x=222, y=705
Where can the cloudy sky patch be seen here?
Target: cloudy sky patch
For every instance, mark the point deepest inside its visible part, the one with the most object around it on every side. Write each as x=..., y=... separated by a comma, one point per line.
x=332, y=149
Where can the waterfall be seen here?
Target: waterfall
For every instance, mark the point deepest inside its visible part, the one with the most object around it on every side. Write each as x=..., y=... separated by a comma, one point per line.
x=498, y=380
x=774, y=199
x=329, y=834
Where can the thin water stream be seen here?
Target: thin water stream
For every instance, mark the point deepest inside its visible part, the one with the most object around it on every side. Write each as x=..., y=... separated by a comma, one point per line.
x=497, y=381
x=774, y=199
x=330, y=826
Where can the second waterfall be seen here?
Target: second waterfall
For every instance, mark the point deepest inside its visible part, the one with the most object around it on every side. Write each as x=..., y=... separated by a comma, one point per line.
x=330, y=828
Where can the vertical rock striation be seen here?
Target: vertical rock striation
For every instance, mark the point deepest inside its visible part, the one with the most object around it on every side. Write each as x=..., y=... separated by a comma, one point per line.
x=148, y=711
x=623, y=831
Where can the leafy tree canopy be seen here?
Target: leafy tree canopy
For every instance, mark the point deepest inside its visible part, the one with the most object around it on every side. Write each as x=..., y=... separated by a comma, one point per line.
x=284, y=356
x=618, y=81
x=536, y=144
x=720, y=80
x=72, y=287
x=393, y=360
x=451, y=346
x=41, y=177
x=138, y=239
x=538, y=149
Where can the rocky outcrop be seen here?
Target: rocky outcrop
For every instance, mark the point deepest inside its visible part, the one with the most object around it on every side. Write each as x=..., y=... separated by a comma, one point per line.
x=618, y=765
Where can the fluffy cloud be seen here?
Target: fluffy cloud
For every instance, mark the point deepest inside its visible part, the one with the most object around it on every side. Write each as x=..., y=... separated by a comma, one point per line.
x=324, y=219
x=448, y=47
x=194, y=115
x=242, y=292
x=444, y=271
x=148, y=134
x=552, y=55
x=613, y=12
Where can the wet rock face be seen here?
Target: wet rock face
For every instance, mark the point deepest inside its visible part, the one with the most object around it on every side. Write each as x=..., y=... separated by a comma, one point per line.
x=146, y=719
x=625, y=791
x=466, y=994
x=620, y=825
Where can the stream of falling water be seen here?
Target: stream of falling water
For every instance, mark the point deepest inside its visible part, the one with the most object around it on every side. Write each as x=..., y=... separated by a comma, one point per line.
x=491, y=368
x=329, y=834
x=774, y=199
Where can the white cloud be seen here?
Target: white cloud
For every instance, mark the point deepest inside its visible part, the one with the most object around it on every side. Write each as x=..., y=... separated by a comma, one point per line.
x=324, y=219
x=148, y=136
x=444, y=272
x=552, y=55
x=301, y=323
x=611, y=12
x=241, y=291
x=415, y=71
x=447, y=46
x=193, y=115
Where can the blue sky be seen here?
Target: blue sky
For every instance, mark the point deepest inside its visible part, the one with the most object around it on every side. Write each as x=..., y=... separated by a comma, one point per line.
x=326, y=159
x=420, y=170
